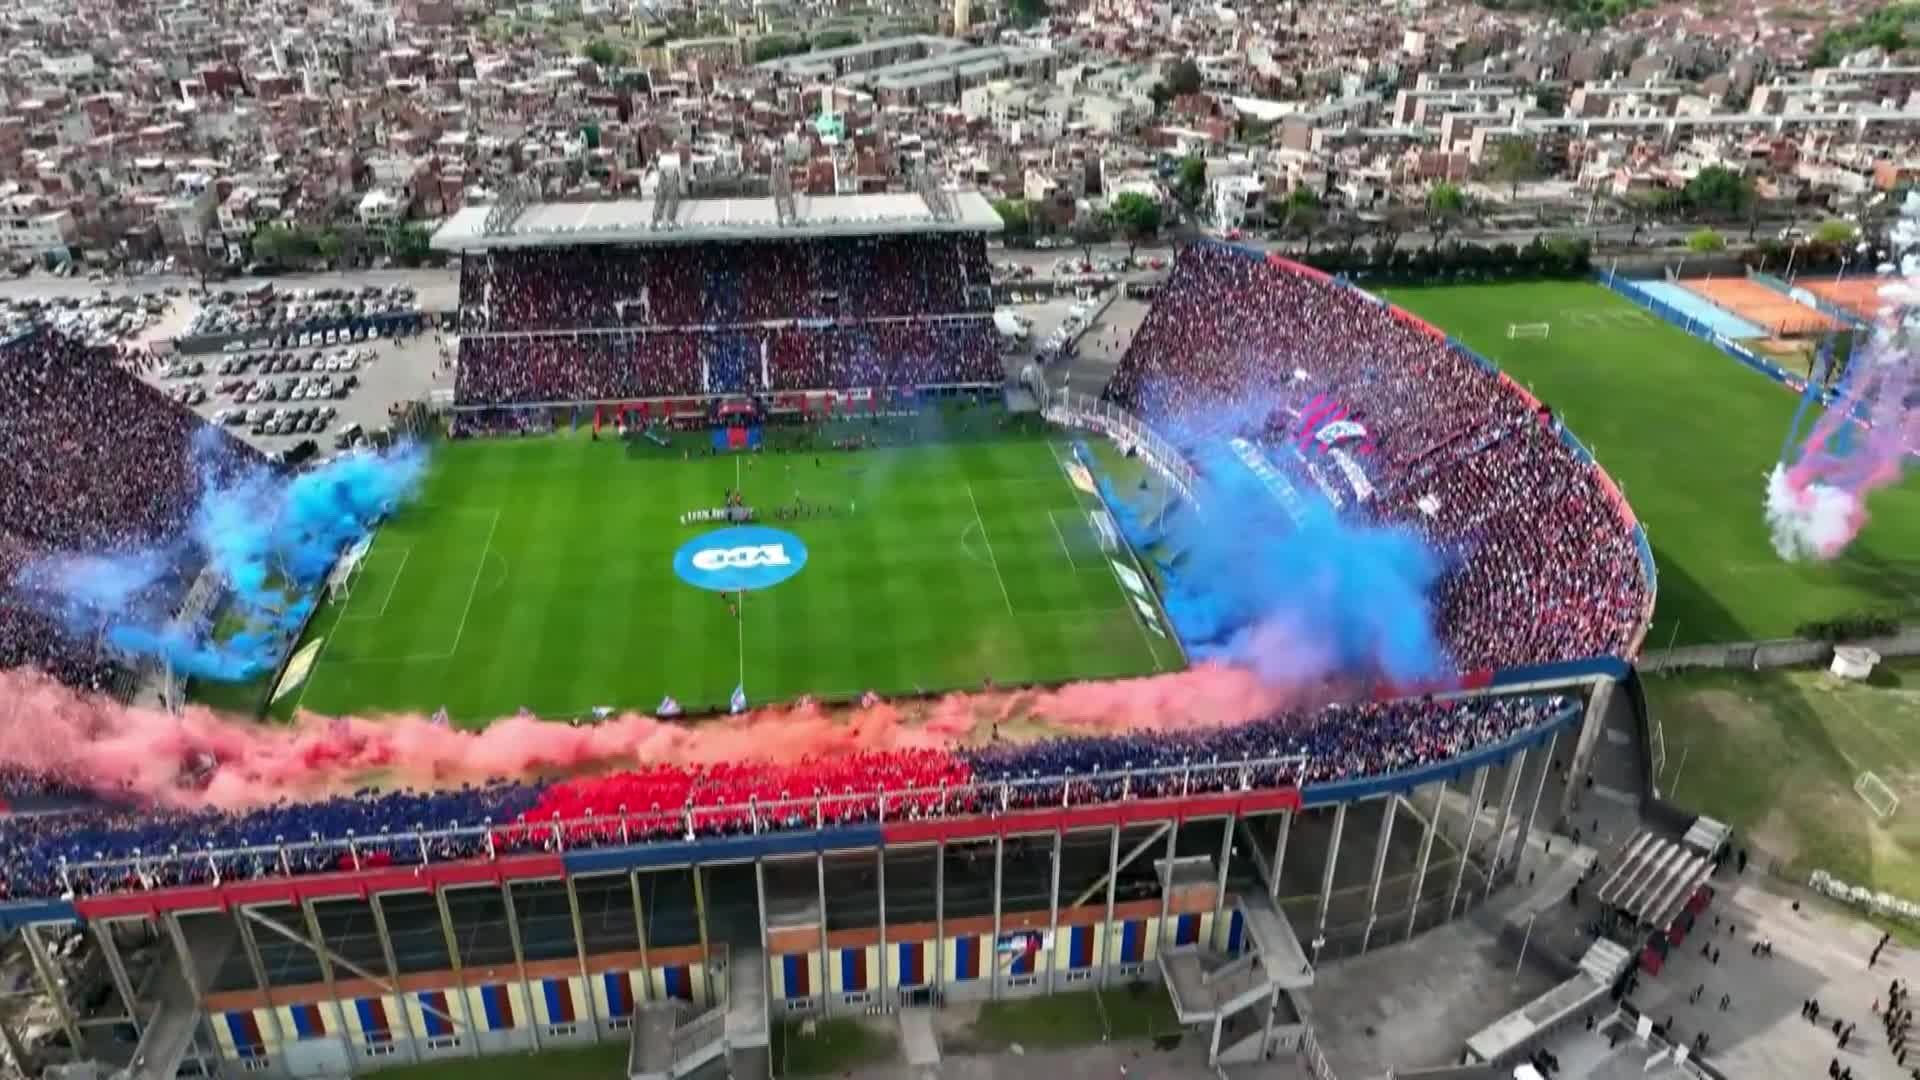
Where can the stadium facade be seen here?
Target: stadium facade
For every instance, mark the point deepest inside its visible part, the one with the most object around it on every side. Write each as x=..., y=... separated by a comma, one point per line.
x=691, y=946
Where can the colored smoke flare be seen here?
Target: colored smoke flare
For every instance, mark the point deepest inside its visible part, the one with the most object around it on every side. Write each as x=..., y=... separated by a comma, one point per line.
x=199, y=757
x=1816, y=500
x=269, y=537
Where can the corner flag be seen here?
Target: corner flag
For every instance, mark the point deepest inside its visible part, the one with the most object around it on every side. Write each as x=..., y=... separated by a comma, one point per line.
x=739, y=702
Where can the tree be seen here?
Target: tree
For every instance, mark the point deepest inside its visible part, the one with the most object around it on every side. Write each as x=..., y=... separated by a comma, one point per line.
x=1717, y=189
x=283, y=245
x=835, y=39
x=1446, y=204
x=409, y=243
x=1518, y=160
x=1885, y=28
x=1183, y=78
x=1028, y=12
x=1013, y=214
x=1299, y=211
x=1160, y=96
x=1706, y=242
x=1192, y=182
x=1136, y=216
x=605, y=53
x=1087, y=230
x=776, y=46
x=328, y=245
x=1836, y=232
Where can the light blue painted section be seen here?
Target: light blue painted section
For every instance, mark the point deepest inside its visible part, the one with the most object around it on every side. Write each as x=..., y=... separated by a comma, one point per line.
x=1696, y=308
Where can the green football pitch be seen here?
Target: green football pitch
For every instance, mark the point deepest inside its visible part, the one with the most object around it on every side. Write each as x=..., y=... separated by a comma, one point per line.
x=1690, y=435
x=538, y=573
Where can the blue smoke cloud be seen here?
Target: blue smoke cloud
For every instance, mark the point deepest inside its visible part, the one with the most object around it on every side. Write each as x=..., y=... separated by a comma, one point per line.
x=271, y=538
x=1291, y=589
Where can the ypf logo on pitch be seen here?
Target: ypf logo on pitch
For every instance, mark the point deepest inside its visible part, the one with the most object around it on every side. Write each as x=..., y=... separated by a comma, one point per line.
x=711, y=559
x=741, y=557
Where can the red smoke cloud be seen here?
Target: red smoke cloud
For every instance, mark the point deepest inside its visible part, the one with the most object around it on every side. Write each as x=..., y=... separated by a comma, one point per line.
x=144, y=753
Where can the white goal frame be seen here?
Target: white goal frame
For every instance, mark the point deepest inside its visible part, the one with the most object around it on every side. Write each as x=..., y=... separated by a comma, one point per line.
x=1529, y=330
x=1877, y=795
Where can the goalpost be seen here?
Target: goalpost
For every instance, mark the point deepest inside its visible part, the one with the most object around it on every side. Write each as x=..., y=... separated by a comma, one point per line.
x=1877, y=795
x=1528, y=330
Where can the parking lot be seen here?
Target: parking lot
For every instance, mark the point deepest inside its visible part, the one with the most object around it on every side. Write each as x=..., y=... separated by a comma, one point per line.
x=299, y=313
x=276, y=397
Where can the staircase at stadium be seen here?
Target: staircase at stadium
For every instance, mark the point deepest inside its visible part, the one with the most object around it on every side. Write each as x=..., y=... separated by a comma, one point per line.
x=1246, y=1002
x=672, y=1039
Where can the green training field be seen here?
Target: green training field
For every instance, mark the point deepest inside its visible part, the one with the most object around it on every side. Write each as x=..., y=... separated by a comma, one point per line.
x=1817, y=734
x=539, y=572
x=1690, y=435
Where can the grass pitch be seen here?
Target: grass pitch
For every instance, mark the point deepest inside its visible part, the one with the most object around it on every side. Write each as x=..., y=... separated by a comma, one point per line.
x=1690, y=435
x=1816, y=734
x=538, y=572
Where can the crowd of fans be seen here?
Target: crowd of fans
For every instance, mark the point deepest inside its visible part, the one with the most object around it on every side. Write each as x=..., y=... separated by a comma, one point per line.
x=710, y=284
x=725, y=318
x=94, y=461
x=46, y=854
x=1545, y=566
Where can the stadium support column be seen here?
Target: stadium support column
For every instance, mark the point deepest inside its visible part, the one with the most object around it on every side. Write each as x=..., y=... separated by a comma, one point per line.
x=826, y=954
x=18, y=1050
x=1220, y=882
x=580, y=947
x=393, y=966
x=117, y=969
x=1166, y=883
x=1280, y=853
x=640, y=935
x=1514, y=768
x=1426, y=853
x=940, y=919
x=202, y=1024
x=1106, y=928
x=1053, y=910
x=1333, y=863
x=1591, y=725
x=1546, y=766
x=251, y=946
x=325, y=957
x=1380, y=847
x=55, y=988
x=519, y=953
x=459, y=969
x=700, y=923
x=880, y=882
x=993, y=947
x=1474, y=797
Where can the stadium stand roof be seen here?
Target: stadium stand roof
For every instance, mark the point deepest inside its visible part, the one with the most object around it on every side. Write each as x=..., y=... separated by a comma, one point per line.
x=633, y=221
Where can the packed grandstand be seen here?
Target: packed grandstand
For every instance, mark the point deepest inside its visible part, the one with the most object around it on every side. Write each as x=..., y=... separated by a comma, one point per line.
x=1545, y=567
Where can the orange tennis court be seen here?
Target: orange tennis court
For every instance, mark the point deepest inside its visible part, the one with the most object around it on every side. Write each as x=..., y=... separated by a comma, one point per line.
x=1860, y=295
x=1780, y=316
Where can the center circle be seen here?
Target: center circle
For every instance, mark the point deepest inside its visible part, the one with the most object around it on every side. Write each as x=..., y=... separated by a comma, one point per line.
x=741, y=557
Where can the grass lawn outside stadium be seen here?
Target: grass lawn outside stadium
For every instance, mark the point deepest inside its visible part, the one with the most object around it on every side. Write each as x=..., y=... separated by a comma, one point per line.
x=1690, y=435
x=538, y=572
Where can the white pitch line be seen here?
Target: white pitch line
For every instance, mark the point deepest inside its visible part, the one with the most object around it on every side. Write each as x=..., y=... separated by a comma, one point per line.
x=1062, y=537
x=392, y=586
x=474, y=589
x=992, y=559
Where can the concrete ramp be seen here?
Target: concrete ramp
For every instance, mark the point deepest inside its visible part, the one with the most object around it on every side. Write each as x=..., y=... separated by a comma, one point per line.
x=917, y=1041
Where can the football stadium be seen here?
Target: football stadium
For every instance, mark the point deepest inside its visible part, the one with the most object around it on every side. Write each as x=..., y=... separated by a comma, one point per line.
x=739, y=643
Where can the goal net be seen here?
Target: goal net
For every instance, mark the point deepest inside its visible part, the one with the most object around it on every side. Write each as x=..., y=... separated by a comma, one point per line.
x=1877, y=795
x=1528, y=330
